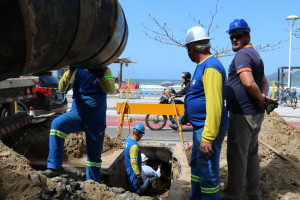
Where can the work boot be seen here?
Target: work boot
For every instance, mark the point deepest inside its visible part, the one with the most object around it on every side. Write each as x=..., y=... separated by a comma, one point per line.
x=175, y=128
x=50, y=173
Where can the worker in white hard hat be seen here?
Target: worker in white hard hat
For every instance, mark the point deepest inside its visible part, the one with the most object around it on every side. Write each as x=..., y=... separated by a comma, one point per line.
x=149, y=175
x=204, y=106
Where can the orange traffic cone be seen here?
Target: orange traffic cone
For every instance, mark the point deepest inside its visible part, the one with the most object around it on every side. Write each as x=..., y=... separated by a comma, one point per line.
x=31, y=111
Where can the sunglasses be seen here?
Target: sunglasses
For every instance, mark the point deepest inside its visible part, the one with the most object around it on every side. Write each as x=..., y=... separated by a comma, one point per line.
x=237, y=37
x=141, y=133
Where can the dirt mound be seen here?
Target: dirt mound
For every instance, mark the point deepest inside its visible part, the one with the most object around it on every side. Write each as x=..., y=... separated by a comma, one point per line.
x=281, y=135
x=280, y=179
x=110, y=145
x=16, y=180
x=75, y=146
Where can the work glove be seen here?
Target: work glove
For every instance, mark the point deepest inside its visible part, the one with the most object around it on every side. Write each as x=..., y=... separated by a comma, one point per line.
x=140, y=181
x=270, y=105
x=99, y=73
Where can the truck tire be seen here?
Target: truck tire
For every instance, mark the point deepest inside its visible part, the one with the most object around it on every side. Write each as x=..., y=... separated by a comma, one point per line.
x=4, y=113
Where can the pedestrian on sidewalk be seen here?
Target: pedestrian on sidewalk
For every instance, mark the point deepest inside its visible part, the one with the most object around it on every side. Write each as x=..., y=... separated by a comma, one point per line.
x=88, y=113
x=247, y=89
x=204, y=106
x=133, y=159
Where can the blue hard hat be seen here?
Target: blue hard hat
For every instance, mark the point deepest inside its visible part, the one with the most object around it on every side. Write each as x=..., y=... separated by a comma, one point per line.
x=140, y=127
x=238, y=24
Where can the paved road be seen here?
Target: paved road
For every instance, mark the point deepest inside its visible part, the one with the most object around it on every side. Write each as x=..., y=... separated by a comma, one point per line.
x=164, y=135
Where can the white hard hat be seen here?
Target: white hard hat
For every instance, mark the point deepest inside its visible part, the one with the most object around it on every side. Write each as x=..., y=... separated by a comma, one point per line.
x=144, y=157
x=196, y=33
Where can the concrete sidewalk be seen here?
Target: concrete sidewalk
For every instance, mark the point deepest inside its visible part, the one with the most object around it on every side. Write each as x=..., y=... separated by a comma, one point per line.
x=288, y=113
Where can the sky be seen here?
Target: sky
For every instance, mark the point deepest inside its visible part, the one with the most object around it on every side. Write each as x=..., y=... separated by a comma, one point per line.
x=156, y=60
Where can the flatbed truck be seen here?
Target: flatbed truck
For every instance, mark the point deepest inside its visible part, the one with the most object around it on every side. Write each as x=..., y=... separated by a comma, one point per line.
x=13, y=114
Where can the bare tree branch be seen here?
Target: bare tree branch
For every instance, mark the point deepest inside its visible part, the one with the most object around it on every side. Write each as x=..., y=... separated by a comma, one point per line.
x=165, y=36
x=297, y=35
x=213, y=15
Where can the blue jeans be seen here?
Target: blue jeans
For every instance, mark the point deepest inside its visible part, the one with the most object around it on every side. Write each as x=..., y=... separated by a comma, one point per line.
x=204, y=168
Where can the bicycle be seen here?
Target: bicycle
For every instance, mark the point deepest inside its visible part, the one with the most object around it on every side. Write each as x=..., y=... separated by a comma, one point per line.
x=293, y=98
x=287, y=97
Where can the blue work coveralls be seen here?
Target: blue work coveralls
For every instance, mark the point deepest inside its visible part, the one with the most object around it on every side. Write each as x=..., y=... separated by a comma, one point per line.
x=204, y=105
x=88, y=114
x=132, y=178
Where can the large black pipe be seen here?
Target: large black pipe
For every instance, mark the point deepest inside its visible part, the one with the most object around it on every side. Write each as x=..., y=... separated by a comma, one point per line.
x=41, y=35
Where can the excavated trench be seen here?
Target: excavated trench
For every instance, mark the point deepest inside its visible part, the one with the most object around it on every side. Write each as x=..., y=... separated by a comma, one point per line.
x=115, y=175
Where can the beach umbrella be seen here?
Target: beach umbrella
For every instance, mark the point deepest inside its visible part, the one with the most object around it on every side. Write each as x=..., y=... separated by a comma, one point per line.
x=167, y=84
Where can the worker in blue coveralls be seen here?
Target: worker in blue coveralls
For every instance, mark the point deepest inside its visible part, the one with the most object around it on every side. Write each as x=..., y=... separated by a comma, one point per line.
x=133, y=159
x=204, y=106
x=88, y=114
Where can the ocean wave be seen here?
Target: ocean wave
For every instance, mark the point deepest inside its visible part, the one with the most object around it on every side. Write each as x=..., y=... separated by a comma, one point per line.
x=158, y=87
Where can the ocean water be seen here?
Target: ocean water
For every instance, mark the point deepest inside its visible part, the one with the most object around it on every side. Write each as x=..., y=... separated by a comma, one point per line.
x=153, y=86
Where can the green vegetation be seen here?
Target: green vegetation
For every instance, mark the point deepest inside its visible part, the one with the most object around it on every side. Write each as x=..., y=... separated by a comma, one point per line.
x=295, y=78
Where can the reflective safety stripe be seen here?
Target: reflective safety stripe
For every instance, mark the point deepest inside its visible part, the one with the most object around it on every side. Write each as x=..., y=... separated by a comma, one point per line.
x=108, y=77
x=93, y=164
x=58, y=133
x=210, y=190
x=133, y=158
x=195, y=178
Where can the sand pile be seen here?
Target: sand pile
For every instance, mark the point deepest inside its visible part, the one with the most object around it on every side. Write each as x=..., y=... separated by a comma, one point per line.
x=279, y=178
x=16, y=176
